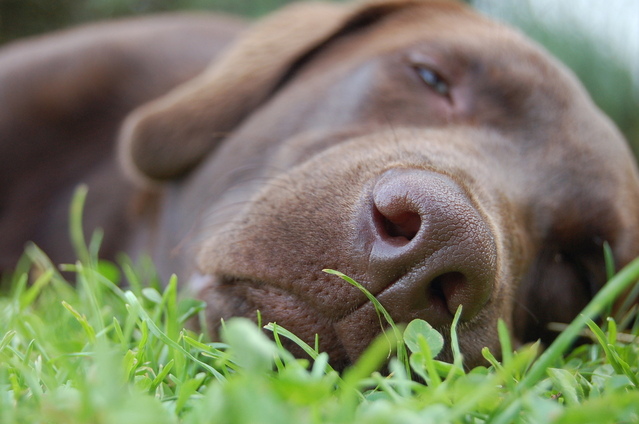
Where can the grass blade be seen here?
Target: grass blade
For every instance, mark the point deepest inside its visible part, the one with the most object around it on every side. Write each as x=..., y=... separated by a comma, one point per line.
x=617, y=285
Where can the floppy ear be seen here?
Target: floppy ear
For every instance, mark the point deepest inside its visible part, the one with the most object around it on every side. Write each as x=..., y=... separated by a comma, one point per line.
x=166, y=138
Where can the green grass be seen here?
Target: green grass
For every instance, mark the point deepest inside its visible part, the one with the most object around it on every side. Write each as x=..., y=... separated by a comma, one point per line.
x=90, y=351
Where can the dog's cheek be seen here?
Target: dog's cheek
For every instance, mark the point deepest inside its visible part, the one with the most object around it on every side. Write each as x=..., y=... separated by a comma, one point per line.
x=556, y=288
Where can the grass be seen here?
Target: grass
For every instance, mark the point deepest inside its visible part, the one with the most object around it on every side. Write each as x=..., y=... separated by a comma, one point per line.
x=90, y=351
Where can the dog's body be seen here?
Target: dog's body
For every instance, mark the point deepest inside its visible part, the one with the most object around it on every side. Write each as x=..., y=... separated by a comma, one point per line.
x=63, y=98
x=436, y=157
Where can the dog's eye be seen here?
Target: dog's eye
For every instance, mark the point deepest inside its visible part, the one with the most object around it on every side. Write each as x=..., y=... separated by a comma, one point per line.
x=433, y=80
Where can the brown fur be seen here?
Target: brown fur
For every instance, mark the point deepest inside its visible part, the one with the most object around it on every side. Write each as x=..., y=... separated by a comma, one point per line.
x=63, y=97
x=276, y=161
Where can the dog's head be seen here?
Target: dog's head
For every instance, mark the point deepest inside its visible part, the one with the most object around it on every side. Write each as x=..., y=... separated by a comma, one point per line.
x=438, y=158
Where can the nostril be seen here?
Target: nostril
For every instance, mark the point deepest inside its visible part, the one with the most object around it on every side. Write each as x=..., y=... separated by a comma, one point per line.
x=400, y=227
x=446, y=289
x=397, y=209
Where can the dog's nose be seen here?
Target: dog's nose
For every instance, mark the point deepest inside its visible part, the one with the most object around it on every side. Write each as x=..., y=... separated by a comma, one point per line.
x=431, y=250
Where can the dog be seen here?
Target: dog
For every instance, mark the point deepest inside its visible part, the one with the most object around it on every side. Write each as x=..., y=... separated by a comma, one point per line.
x=437, y=157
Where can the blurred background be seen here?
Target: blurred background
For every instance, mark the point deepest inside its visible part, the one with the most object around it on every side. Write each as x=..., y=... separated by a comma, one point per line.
x=598, y=39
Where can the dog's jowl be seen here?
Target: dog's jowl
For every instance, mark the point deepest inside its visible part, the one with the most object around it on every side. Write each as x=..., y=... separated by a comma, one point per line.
x=438, y=158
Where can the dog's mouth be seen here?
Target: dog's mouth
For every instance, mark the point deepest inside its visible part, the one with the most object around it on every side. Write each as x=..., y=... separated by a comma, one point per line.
x=343, y=333
x=258, y=293
x=230, y=296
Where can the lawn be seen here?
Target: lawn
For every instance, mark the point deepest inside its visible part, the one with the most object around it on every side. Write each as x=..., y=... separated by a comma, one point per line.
x=78, y=346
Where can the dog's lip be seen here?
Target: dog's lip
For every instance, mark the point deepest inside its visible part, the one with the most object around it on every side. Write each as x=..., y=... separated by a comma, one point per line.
x=227, y=280
x=201, y=281
x=438, y=302
x=345, y=335
x=264, y=286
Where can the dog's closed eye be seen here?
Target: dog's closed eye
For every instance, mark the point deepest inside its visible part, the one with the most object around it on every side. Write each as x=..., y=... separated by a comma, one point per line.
x=433, y=79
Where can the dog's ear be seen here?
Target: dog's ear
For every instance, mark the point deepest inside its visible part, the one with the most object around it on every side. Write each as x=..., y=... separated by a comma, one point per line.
x=166, y=138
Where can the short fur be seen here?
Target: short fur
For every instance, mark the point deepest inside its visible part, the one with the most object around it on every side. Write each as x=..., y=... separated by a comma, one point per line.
x=274, y=164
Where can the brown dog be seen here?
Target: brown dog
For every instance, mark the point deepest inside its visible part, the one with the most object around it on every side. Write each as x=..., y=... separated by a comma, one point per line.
x=438, y=158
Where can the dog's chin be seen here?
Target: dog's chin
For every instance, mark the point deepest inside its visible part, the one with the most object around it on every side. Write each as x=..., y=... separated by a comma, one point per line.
x=344, y=339
x=228, y=296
